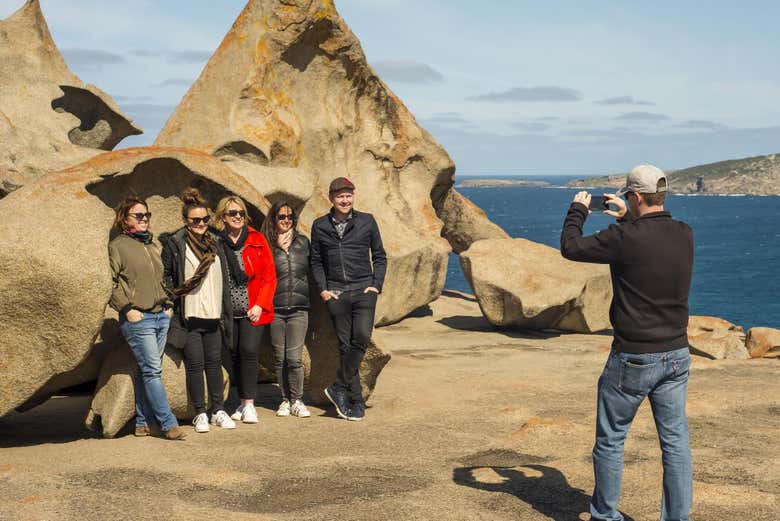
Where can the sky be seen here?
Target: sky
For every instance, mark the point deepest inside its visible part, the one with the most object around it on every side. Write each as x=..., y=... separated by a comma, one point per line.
x=507, y=87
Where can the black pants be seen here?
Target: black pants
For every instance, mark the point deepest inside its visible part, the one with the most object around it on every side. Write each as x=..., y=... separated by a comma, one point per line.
x=243, y=357
x=353, y=318
x=203, y=351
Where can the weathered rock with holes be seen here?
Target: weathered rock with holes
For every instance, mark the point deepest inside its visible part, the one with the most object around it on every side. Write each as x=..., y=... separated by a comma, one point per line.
x=290, y=87
x=763, y=341
x=715, y=338
x=49, y=118
x=464, y=222
x=523, y=284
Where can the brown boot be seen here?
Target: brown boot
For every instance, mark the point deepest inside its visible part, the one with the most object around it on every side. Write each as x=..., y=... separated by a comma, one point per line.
x=141, y=431
x=176, y=433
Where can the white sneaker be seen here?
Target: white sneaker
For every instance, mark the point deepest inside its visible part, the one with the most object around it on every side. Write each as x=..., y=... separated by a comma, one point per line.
x=249, y=414
x=221, y=419
x=299, y=409
x=201, y=422
x=284, y=408
x=238, y=414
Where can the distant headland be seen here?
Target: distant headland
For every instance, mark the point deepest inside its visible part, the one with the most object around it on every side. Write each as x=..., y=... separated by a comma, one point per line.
x=492, y=183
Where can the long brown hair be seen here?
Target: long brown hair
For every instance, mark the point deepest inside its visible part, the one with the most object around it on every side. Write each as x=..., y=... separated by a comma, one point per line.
x=269, y=224
x=123, y=210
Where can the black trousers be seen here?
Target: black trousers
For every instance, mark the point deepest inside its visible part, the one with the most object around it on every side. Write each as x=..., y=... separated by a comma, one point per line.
x=353, y=318
x=243, y=357
x=203, y=352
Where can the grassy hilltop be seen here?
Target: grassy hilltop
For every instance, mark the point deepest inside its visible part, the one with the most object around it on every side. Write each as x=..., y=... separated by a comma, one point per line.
x=759, y=175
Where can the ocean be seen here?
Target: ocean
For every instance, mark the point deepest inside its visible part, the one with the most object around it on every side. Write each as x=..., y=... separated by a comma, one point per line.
x=736, y=273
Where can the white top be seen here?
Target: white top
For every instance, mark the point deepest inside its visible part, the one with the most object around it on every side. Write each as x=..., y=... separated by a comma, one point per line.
x=206, y=300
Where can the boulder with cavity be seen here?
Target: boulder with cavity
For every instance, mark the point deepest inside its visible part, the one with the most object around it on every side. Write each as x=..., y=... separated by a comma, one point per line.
x=763, y=341
x=716, y=338
x=523, y=284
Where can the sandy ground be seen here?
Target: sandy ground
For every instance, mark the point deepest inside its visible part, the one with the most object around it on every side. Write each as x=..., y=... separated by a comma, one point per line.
x=466, y=423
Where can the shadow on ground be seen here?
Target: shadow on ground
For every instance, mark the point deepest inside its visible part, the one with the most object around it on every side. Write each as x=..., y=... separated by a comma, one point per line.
x=544, y=488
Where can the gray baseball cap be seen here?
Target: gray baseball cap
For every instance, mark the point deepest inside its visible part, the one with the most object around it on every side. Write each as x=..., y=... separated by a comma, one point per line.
x=644, y=180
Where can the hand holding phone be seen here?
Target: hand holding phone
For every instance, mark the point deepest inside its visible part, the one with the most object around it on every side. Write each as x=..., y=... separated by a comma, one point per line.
x=598, y=203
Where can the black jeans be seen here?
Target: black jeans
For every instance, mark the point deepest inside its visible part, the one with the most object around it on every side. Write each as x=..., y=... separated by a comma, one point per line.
x=243, y=355
x=288, y=333
x=353, y=318
x=203, y=351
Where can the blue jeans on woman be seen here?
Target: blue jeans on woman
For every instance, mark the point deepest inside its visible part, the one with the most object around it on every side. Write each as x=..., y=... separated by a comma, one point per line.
x=146, y=339
x=625, y=382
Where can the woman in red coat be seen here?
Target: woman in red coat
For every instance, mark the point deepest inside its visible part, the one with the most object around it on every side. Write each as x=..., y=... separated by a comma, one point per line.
x=252, y=287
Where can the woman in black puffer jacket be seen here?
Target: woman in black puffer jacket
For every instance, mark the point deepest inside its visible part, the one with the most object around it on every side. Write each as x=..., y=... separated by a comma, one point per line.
x=291, y=305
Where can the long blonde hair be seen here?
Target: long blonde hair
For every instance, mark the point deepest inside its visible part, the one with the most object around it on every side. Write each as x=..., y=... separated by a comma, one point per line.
x=221, y=211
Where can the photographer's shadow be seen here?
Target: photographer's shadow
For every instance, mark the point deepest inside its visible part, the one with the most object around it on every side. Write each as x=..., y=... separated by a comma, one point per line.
x=549, y=493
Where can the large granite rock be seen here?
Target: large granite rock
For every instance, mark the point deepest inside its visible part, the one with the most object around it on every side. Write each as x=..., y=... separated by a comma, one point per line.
x=464, y=222
x=290, y=87
x=715, y=338
x=55, y=285
x=763, y=341
x=49, y=118
x=523, y=284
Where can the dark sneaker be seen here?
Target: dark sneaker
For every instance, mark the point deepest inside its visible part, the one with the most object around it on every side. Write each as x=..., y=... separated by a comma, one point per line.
x=357, y=412
x=339, y=400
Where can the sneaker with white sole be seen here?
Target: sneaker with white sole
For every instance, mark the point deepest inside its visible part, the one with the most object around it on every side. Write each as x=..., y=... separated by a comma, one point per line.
x=284, y=408
x=238, y=414
x=249, y=414
x=299, y=409
x=201, y=422
x=221, y=419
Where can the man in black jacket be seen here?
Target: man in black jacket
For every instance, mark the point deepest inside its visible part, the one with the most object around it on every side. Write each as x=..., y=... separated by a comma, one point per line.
x=651, y=262
x=349, y=281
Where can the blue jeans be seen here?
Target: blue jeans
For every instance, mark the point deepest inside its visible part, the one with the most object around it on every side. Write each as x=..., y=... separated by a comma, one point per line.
x=146, y=339
x=625, y=382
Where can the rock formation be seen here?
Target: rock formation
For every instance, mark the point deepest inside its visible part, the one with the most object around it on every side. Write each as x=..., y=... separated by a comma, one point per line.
x=716, y=338
x=290, y=87
x=763, y=341
x=528, y=285
x=464, y=222
x=49, y=119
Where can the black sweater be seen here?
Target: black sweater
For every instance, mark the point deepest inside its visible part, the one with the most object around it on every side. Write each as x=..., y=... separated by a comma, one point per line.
x=651, y=262
x=344, y=263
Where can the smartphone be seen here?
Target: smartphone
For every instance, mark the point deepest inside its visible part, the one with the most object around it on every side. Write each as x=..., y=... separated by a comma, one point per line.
x=598, y=203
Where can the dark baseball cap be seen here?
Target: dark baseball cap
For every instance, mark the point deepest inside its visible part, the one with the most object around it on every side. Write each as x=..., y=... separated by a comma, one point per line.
x=340, y=183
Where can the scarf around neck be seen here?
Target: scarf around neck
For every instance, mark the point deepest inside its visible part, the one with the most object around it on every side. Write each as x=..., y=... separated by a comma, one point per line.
x=236, y=273
x=144, y=237
x=205, y=249
x=284, y=240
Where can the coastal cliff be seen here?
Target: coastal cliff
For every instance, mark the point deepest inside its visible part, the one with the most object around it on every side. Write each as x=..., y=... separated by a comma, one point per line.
x=759, y=175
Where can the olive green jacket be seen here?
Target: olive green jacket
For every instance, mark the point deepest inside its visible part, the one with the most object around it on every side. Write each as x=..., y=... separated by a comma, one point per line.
x=138, y=274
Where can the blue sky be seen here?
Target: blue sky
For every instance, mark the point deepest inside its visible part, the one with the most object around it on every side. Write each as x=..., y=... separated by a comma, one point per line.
x=508, y=87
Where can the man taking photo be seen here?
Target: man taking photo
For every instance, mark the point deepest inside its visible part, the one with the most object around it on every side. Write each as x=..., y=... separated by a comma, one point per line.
x=348, y=263
x=650, y=257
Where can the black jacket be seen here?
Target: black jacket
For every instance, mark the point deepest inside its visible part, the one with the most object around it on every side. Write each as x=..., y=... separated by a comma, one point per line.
x=173, y=255
x=292, y=275
x=345, y=264
x=651, y=262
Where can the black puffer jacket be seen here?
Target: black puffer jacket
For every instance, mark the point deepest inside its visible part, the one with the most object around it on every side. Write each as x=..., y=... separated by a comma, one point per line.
x=345, y=263
x=173, y=253
x=292, y=275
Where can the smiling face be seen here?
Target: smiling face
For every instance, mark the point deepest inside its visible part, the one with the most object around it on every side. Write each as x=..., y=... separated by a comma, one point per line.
x=197, y=220
x=342, y=201
x=284, y=219
x=137, y=218
x=235, y=217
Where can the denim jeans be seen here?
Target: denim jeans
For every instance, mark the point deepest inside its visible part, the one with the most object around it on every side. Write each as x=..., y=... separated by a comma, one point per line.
x=146, y=339
x=625, y=382
x=288, y=333
x=353, y=318
x=241, y=362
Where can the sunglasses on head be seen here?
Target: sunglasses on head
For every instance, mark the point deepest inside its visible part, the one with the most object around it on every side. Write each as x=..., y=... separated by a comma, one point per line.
x=285, y=216
x=198, y=220
x=236, y=213
x=140, y=216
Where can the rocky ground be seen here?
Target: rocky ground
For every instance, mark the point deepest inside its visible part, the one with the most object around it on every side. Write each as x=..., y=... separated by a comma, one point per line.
x=466, y=423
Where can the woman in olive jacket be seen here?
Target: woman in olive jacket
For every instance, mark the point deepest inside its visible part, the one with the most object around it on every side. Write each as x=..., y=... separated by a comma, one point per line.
x=291, y=305
x=144, y=313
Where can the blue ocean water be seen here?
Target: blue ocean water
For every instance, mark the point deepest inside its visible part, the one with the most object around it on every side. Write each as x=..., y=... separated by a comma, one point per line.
x=737, y=243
